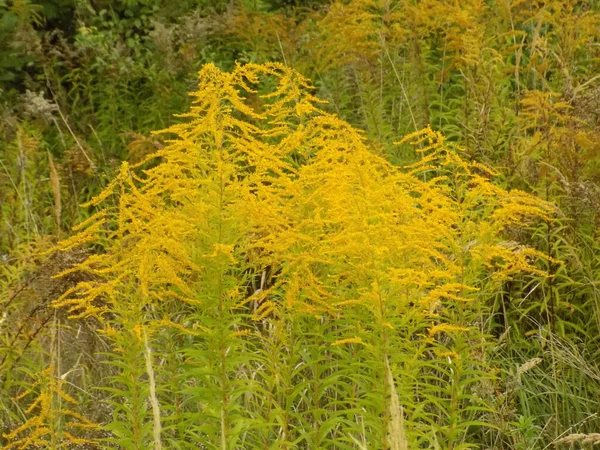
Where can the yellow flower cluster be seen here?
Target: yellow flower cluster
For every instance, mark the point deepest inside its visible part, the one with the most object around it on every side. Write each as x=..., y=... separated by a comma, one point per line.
x=41, y=429
x=285, y=185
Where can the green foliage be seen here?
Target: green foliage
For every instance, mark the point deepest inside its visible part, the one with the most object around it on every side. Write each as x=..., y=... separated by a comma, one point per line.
x=130, y=427
x=277, y=297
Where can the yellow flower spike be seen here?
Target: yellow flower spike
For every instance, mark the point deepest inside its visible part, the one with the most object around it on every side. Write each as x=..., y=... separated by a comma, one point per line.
x=39, y=428
x=353, y=340
x=449, y=354
x=224, y=249
x=138, y=330
x=240, y=333
x=445, y=328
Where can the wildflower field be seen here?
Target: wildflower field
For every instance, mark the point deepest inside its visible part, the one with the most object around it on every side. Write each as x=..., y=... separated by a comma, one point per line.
x=300, y=224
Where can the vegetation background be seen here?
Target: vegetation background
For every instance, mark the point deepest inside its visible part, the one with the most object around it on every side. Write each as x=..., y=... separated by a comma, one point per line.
x=261, y=274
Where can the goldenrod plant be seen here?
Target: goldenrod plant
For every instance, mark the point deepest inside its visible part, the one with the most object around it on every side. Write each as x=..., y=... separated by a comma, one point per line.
x=318, y=294
x=51, y=421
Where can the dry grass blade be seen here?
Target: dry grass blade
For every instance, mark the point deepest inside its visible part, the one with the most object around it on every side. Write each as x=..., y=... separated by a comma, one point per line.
x=156, y=424
x=584, y=439
x=55, y=184
x=525, y=367
x=397, y=431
